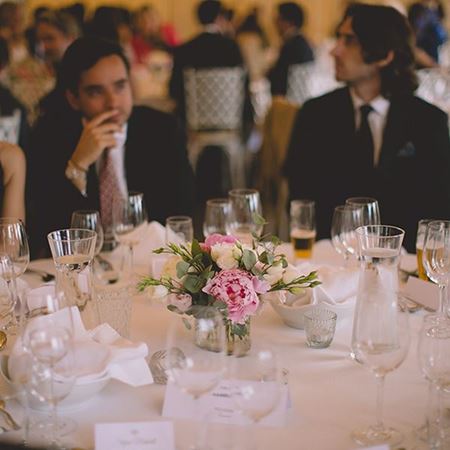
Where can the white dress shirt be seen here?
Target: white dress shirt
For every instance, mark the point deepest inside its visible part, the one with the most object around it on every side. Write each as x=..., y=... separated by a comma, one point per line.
x=377, y=120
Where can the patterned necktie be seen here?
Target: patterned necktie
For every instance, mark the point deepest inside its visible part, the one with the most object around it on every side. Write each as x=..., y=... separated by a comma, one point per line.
x=109, y=189
x=364, y=139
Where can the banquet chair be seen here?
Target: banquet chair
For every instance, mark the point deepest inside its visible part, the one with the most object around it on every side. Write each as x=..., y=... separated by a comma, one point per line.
x=214, y=110
x=10, y=127
x=308, y=80
x=270, y=182
x=434, y=87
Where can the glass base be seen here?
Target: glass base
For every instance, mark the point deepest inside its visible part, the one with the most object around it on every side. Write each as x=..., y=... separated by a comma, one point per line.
x=64, y=427
x=377, y=436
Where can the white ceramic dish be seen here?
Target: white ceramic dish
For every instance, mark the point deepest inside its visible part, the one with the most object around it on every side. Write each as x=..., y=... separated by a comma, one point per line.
x=293, y=310
x=79, y=394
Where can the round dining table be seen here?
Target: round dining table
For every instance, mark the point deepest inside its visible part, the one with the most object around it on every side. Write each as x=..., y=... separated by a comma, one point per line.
x=331, y=394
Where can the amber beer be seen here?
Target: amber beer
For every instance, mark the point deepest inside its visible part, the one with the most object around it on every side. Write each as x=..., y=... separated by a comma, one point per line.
x=303, y=242
x=420, y=268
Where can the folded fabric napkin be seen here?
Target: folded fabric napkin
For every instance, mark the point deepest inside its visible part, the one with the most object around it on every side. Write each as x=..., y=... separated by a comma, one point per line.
x=99, y=353
x=339, y=284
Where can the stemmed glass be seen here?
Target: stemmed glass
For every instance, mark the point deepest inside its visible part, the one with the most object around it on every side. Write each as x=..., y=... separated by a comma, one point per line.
x=256, y=387
x=73, y=251
x=48, y=338
x=216, y=216
x=14, y=242
x=128, y=214
x=179, y=229
x=370, y=214
x=89, y=220
x=191, y=368
x=7, y=299
x=346, y=219
x=436, y=258
x=245, y=208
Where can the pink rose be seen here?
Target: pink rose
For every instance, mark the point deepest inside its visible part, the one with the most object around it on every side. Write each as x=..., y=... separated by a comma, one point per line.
x=239, y=290
x=182, y=301
x=217, y=238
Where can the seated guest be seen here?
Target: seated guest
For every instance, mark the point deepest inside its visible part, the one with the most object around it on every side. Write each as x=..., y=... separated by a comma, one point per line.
x=12, y=181
x=295, y=49
x=372, y=137
x=100, y=146
x=209, y=49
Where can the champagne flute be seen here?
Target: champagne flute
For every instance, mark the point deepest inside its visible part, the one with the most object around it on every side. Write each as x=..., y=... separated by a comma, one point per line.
x=346, y=219
x=216, y=216
x=14, y=242
x=256, y=387
x=370, y=214
x=128, y=214
x=192, y=369
x=380, y=343
x=436, y=258
x=243, y=219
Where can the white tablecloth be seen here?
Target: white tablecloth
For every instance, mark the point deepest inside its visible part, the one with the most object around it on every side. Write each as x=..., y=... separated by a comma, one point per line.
x=331, y=394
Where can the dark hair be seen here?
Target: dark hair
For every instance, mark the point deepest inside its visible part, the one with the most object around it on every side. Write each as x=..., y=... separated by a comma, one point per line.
x=381, y=29
x=291, y=13
x=83, y=54
x=208, y=11
x=65, y=23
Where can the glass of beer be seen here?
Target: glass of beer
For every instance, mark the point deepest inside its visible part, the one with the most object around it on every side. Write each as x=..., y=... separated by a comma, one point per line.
x=303, y=227
x=421, y=229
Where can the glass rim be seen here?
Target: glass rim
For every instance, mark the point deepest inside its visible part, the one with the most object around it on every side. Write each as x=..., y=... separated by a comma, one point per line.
x=312, y=312
x=399, y=231
x=178, y=219
x=435, y=223
x=218, y=201
x=86, y=212
x=53, y=234
x=242, y=192
x=360, y=200
x=303, y=201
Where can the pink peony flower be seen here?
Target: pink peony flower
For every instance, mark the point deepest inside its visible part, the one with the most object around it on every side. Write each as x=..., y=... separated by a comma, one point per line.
x=217, y=238
x=239, y=290
x=182, y=301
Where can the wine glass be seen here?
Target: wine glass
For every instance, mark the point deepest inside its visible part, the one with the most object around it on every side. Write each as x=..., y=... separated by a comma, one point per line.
x=370, y=214
x=303, y=227
x=89, y=220
x=216, y=216
x=256, y=387
x=194, y=370
x=436, y=258
x=73, y=251
x=179, y=229
x=14, y=242
x=245, y=209
x=7, y=299
x=346, y=219
x=129, y=214
x=380, y=342
x=48, y=338
x=434, y=361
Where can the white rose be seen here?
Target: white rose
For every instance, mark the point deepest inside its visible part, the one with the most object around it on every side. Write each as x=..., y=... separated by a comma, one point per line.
x=169, y=269
x=290, y=273
x=156, y=292
x=274, y=274
x=223, y=255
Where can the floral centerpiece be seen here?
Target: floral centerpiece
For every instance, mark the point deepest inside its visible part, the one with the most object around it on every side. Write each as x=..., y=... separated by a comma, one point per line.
x=229, y=275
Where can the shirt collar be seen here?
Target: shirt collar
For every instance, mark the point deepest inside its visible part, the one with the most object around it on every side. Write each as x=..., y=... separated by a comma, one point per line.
x=379, y=104
x=211, y=28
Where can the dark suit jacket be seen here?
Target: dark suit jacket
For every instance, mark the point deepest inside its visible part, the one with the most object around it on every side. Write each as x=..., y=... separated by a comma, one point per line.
x=155, y=163
x=411, y=182
x=204, y=51
x=295, y=50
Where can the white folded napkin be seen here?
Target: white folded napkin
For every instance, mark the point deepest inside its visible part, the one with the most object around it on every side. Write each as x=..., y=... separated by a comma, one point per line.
x=99, y=353
x=339, y=284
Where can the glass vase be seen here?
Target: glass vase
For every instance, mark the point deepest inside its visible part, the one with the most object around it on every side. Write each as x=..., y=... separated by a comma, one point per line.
x=238, y=345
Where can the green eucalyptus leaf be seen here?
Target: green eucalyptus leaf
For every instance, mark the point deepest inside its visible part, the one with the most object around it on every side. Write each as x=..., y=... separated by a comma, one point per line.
x=193, y=283
x=196, y=249
x=187, y=324
x=249, y=259
x=182, y=268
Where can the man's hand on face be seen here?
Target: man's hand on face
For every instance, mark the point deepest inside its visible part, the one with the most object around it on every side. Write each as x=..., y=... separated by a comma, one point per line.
x=98, y=134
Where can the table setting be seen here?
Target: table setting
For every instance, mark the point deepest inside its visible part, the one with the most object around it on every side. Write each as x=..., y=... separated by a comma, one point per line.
x=185, y=367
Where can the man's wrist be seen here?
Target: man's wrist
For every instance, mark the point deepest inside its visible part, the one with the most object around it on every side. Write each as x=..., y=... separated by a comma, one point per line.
x=77, y=176
x=77, y=165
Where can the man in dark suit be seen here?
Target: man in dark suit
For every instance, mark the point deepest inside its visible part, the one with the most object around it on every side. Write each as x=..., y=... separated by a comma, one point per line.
x=373, y=137
x=295, y=49
x=98, y=135
x=209, y=49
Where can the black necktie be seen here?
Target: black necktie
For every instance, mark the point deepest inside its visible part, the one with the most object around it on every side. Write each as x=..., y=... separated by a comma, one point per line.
x=364, y=139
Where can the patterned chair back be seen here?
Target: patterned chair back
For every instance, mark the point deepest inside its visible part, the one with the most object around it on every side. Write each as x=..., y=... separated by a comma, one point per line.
x=10, y=127
x=308, y=80
x=434, y=87
x=214, y=98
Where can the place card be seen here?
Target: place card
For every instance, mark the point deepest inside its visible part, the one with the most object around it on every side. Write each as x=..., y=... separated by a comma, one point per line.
x=219, y=406
x=423, y=292
x=134, y=436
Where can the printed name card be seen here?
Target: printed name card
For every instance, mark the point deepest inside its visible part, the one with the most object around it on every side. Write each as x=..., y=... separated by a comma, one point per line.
x=220, y=407
x=134, y=436
x=423, y=292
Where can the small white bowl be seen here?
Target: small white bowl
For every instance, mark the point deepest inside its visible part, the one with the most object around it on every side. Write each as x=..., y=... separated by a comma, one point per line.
x=79, y=394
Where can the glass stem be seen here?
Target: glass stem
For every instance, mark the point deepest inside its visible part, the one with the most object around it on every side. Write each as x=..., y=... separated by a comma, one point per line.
x=433, y=416
x=54, y=413
x=12, y=288
x=443, y=300
x=380, y=398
